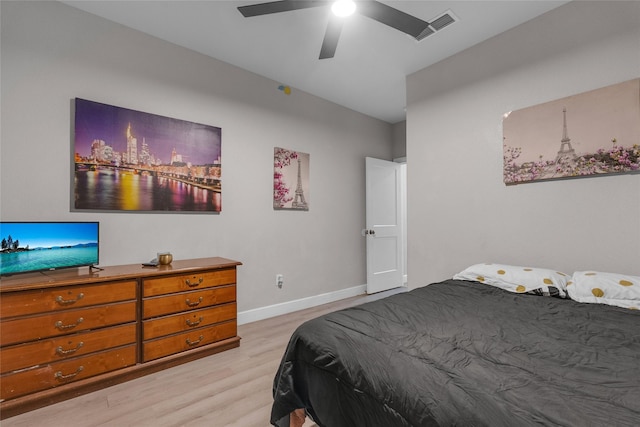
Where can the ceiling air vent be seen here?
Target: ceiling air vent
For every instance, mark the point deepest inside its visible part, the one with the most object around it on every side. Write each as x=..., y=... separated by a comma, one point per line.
x=442, y=21
x=426, y=32
x=438, y=24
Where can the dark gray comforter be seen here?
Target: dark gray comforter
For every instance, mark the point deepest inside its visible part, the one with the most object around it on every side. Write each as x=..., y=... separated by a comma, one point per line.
x=461, y=353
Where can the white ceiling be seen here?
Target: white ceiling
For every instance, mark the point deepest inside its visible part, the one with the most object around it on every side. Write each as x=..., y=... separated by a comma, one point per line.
x=371, y=62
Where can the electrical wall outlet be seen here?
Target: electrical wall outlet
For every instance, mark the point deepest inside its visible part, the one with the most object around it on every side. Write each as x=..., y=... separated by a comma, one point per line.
x=279, y=280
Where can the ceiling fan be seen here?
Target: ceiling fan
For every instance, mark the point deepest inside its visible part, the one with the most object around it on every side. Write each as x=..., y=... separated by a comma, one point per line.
x=415, y=27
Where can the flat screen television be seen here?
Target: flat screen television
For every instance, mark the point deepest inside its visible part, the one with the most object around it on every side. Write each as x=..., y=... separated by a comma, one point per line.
x=39, y=246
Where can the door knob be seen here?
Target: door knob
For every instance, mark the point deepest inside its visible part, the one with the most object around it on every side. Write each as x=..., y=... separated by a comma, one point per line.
x=370, y=232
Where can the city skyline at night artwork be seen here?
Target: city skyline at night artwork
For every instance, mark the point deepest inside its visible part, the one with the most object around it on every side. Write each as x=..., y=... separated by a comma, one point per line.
x=128, y=160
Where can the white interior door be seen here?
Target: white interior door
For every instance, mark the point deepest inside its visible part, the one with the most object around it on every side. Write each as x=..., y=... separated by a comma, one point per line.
x=384, y=225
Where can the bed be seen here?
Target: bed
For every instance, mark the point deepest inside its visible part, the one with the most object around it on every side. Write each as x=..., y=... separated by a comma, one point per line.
x=467, y=352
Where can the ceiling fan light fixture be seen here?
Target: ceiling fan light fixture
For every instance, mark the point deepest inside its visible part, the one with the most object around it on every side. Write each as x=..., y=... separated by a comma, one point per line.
x=343, y=8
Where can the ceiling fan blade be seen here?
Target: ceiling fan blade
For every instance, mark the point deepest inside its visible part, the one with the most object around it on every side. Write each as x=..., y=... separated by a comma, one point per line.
x=393, y=17
x=279, y=6
x=331, y=37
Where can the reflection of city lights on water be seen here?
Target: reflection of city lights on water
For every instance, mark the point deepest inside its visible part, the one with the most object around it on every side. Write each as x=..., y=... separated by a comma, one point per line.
x=127, y=190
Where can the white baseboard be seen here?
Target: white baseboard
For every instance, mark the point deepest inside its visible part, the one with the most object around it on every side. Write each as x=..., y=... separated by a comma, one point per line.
x=299, y=304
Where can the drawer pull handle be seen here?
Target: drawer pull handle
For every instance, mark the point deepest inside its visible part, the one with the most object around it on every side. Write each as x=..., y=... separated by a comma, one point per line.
x=196, y=323
x=200, y=338
x=60, y=376
x=193, y=304
x=188, y=282
x=62, y=301
x=62, y=327
x=62, y=352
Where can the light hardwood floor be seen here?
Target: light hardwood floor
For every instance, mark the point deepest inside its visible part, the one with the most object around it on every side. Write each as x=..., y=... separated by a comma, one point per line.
x=232, y=388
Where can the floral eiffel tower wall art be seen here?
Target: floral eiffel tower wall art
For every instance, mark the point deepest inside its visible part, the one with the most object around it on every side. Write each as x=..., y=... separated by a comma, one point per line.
x=290, y=180
x=594, y=133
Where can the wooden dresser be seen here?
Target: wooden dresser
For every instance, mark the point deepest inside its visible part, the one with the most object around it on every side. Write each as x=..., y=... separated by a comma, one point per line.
x=69, y=332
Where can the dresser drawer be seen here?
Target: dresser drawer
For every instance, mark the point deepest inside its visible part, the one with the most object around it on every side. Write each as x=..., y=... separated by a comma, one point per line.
x=157, y=348
x=161, y=326
x=65, y=322
x=56, y=374
x=32, y=302
x=51, y=350
x=175, y=303
x=188, y=282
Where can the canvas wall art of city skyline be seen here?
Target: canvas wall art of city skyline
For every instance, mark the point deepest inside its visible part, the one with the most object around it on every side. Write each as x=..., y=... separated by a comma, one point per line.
x=128, y=160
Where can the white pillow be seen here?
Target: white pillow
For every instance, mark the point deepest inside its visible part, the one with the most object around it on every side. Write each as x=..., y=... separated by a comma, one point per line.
x=539, y=281
x=605, y=288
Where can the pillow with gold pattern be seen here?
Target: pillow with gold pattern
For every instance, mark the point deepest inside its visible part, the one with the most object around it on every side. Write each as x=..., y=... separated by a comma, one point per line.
x=605, y=288
x=529, y=280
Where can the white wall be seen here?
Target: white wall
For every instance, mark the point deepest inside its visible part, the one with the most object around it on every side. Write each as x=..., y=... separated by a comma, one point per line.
x=460, y=212
x=399, y=136
x=52, y=53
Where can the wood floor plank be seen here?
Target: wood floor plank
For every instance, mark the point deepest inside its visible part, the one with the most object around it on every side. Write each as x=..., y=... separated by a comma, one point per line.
x=232, y=388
